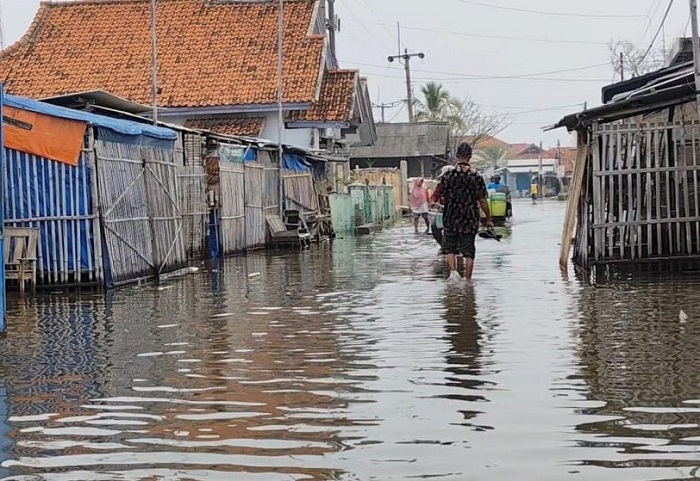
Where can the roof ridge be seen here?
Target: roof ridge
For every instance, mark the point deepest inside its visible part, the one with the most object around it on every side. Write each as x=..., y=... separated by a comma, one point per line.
x=344, y=70
x=31, y=32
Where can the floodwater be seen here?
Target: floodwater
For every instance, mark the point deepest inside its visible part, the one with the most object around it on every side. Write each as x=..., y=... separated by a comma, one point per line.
x=359, y=363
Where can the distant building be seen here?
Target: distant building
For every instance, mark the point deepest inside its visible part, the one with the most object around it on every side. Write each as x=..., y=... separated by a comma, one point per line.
x=519, y=173
x=423, y=145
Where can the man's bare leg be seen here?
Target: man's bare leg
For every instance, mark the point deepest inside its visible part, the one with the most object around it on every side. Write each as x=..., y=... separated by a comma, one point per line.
x=468, y=267
x=426, y=217
x=452, y=263
x=415, y=223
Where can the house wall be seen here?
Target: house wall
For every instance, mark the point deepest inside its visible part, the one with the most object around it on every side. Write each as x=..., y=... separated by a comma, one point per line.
x=430, y=170
x=297, y=137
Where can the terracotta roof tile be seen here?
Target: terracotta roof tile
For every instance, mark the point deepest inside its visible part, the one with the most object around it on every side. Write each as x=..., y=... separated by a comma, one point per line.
x=336, y=101
x=248, y=126
x=209, y=53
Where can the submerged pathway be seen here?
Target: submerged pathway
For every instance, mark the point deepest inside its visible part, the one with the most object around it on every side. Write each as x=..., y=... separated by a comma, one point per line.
x=359, y=363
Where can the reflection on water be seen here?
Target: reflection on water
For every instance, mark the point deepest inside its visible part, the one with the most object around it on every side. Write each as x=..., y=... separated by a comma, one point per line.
x=358, y=363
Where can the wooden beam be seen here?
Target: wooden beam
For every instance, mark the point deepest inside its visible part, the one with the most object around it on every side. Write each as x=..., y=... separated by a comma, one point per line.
x=574, y=198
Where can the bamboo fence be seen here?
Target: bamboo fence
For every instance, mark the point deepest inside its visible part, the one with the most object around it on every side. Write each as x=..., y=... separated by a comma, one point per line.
x=195, y=214
x=232, y=207
x=378, y=177
x=255, y=224
x=639, y=199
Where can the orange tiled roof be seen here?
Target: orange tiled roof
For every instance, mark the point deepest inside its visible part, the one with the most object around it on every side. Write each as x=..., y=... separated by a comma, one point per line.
x=209, y=53
x=244, y=126
x=336, y=100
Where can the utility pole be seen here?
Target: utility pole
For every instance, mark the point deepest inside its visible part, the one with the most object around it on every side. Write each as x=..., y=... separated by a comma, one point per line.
x=280, y=100
x=407, y=64
x=383, y=107
x=333, y=25
x=696, y=50
x=622, y=67
x=539, y=175
x=2, y=32
x=154, y=62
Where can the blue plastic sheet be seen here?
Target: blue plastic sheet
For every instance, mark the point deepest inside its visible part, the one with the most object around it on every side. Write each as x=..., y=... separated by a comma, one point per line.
x=61, y=196
x=294, y=162
x=124, y=127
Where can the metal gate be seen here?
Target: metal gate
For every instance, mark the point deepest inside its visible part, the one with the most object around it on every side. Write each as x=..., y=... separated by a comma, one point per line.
x=140, y=212
x=232, y=207
x=255, y=225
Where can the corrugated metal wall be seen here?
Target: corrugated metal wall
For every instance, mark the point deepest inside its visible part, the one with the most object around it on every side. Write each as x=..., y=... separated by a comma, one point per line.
x=57, y=199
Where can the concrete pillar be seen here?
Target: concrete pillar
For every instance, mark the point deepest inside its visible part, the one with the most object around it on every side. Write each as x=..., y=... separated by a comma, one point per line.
x=404, y=182
x=422, y=168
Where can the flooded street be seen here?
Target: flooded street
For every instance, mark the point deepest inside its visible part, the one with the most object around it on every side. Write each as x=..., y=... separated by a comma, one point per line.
x=359, y=363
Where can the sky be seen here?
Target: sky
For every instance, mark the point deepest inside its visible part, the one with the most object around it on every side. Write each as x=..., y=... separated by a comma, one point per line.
x=534, y=61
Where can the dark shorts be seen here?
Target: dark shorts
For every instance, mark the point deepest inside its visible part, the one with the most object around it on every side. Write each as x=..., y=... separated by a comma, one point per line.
x=459, y=243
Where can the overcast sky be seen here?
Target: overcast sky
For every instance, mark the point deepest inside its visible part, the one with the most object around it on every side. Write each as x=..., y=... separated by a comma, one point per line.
x=471, y=45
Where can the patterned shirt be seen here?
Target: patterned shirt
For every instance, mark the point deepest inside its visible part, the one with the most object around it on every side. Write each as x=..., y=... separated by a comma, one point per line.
x=461, y=192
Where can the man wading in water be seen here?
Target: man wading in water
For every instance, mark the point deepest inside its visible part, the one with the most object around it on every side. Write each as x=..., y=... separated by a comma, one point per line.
x=462, y=191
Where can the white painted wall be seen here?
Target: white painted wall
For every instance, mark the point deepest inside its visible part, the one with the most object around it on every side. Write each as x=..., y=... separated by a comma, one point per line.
x=298, y=137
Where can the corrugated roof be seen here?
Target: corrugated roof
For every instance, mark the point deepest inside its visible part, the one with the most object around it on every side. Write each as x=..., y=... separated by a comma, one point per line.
x=124, y=127
x=404, y=140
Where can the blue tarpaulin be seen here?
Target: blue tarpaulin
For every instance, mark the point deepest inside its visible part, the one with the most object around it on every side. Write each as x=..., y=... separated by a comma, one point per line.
x=123, y=127
x=294, y=162
x=57, y=198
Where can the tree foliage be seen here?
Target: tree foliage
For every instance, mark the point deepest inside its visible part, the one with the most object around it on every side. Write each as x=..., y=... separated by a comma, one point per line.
x=634, y=62
x=492, y=157
x=466, y=119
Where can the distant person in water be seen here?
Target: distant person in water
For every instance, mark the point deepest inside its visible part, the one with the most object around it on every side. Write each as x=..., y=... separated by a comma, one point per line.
x=420, y=205
x=462, y=192
x=534, y=190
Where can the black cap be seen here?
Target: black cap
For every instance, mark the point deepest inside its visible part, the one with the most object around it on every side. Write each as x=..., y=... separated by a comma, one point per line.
x=464, y=150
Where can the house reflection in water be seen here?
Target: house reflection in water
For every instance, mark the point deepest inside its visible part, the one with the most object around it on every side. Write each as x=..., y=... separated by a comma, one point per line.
x=640, y=362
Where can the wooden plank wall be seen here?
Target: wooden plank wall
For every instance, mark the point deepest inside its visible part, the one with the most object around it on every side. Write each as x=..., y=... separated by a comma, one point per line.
x=644, y=197
x=574, y=201
x=300, y=193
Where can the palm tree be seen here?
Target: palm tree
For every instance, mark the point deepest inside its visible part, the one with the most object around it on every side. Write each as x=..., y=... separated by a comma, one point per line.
x=493, y=156
x=436, y=103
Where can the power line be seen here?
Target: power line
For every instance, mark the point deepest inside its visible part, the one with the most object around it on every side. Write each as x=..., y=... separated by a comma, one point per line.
x=528, y=76
x=526, y=110
x=496, y=37
x=466, y=79
x=663, y=20
x=541, y=12
x=398, y=113
x=374, y=12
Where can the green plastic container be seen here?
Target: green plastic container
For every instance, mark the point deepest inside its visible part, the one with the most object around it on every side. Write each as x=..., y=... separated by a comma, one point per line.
x=498, y=205
x=438, y=220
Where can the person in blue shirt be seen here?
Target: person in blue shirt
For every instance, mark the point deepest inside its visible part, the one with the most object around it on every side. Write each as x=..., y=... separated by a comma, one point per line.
x=495, y=183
